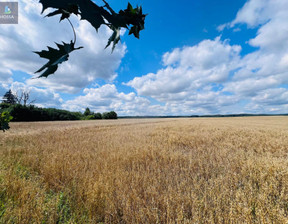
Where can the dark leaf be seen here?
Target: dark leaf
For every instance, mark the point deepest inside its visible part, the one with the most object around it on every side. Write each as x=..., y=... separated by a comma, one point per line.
x=65, y=13
x=55, y=57
x=134, y=17
x=92, y=13
x=88, y=10
x=69, y=5
x=96, y=16
x=135, y=31
x=114, y=38
x=130, y=7
x=109, y=8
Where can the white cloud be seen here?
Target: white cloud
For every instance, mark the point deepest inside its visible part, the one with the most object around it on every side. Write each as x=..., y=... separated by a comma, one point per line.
x=188, y=75
x=205, y=55
x=272, y=36
x=5, y=76
x=251, y=87
x=253, y=13
x=3, y=90
x=208, y=78
x=222, y=27
x=38, y=96
x=275, y=97
x=258, y=12
x=211, y=77
x=107, y=98
x=34, y=33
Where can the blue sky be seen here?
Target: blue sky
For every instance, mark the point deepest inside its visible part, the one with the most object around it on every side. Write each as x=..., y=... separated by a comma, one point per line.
x=194, y=57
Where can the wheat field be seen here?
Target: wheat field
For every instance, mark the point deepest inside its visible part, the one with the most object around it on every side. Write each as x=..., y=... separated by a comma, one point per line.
x=184, y=170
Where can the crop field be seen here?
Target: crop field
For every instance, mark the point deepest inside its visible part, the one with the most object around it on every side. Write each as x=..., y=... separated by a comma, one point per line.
x=184, y=170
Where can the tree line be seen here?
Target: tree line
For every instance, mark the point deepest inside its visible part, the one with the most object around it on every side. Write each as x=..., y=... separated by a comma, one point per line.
x=19, y=108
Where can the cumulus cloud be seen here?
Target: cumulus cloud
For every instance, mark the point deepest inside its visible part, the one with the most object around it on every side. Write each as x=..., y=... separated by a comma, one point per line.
x=212, y=76
x=3, y=89
x=272, y=100
x=258, y=12
x=38, y=96
x=209, y=78
x=190, y=68
x=274, y=97
x=253, y=13
x=107, y=98
x=190, y=74
x=5, y=76
x=34, y=33
x=264, y=72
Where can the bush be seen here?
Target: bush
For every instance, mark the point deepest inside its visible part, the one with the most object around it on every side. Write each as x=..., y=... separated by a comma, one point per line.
x=88, y=117
x=5, y=118
x=93, y=116
x=4, y=106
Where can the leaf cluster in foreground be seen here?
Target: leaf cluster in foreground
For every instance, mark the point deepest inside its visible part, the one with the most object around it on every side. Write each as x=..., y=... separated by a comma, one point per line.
x=131, y=18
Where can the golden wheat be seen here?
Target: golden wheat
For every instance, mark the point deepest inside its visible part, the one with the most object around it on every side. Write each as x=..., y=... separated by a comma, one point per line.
x=188, y=170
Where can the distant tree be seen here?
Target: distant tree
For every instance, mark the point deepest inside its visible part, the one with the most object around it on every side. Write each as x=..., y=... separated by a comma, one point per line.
x=79, y=115
x=22, y=97
x=5, y=118
x=9, y=98
x=98, y=116
x=109, y=115
x=105, y=115
x=33, y=113
x=87, y=112
x=113, y=115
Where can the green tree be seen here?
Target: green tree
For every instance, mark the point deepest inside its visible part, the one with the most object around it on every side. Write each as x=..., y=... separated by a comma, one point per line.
x=98, y=116
x=9, y=98
x=113, y=115
x=5, y=118
x=110, y=115
x=87, y=112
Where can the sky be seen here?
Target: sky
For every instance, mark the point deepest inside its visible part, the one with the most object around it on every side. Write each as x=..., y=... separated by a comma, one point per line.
x=195, y=57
